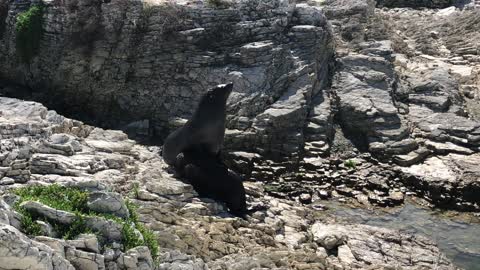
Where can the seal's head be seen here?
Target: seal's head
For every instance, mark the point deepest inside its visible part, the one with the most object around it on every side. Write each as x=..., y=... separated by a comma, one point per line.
x=217, y=96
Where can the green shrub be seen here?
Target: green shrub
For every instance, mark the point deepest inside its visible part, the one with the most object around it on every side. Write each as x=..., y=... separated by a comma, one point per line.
x=135, y=190
x=350, y=163
x=149, y=239
x=55, y=196
x=132, y=239
x=29, y=32
x=72, y=230
x=29, y=226
x=75, y=200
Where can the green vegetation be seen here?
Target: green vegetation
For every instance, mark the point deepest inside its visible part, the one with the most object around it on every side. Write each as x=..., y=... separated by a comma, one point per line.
x=29, y=32
x=58, y=197
x=75, y=200
x=29, y=225
x=350, y=163
x=55, y=196
x=135, y=190
x=133, y=239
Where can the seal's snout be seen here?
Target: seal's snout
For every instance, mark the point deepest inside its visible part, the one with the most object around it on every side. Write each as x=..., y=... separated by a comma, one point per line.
x=229, y=87
x=226, y=87
x=223, y=90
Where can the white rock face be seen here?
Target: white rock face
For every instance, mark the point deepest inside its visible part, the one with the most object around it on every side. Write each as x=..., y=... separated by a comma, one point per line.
x=136, y=258
x=19, y=252
x=357, y=244
x=82, y=260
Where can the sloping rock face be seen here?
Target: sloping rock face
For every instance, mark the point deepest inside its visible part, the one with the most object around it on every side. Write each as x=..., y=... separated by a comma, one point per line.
x=192, y=232
x=400, y=93
x=122, y=61
x=17, y=251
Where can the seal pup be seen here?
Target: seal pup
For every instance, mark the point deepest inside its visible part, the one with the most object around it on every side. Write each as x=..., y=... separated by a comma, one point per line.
x=206, y=127
x=212, y=179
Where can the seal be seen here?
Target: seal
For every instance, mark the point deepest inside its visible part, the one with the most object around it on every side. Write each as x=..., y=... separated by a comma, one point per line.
x=212, y=179
x=206, y=127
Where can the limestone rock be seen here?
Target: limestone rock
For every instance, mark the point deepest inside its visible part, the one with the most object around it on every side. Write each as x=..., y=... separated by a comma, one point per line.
x=56, y=215
x=357, y=244
x=106, y=228
x=19, y=252
x=173, y=259
x=107, y=202
x=136, y=258
x=84, y=260
x=88, y=242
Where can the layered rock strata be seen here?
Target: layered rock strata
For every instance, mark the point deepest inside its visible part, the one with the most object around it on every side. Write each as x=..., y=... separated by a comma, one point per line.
x=192, y=232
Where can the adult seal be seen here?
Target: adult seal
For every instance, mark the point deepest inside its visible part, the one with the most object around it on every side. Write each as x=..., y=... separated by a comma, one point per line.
x=205, y=128
x=211, y=178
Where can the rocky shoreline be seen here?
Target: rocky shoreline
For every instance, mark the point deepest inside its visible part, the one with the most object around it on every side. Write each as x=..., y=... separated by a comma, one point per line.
x=348, y=82
x=192, y=232
x=363, y=102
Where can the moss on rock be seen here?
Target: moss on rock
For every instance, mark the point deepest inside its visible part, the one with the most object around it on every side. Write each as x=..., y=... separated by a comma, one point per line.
x=29, y=31
x=74, y=200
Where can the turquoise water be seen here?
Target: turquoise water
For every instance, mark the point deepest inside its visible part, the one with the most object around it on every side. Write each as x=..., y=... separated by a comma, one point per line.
x=460, y=241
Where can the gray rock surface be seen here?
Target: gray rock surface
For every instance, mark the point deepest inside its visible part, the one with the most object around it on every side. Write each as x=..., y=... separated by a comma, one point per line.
x=17, y=251
x=278, y=235
x=147, y=58
x=361, y=244
x=404, y=90
x=36, y=208
x=136, y=258
x=404, y=87
x=107, y=202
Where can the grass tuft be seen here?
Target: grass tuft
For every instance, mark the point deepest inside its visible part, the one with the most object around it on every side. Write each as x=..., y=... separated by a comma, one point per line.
x=350, y=163
x=58, y=197
x=75, y=200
